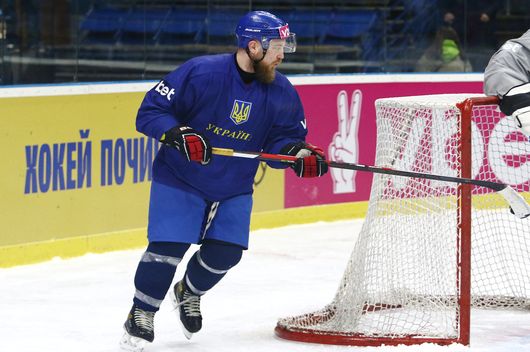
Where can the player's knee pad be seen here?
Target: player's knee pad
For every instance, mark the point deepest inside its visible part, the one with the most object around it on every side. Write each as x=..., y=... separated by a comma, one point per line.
x=220, y=256
x=210, y=264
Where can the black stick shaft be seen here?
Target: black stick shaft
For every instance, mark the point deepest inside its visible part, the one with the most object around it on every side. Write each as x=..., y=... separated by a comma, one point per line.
x=387, y=171
x=496, y=186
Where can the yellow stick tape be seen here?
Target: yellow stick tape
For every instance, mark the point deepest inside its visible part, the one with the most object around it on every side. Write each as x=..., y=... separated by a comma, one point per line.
x=222, y=151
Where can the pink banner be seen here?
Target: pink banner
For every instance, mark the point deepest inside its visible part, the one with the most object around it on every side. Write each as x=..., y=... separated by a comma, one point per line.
x=341, y=120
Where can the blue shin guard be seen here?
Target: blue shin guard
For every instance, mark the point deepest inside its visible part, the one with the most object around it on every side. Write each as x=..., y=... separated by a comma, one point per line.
x=155, y=273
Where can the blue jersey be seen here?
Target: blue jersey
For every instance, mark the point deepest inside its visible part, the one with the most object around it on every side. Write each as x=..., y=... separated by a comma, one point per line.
x=208, y=94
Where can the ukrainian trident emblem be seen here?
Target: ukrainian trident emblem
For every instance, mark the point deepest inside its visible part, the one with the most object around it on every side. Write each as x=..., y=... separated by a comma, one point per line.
x=240, y=111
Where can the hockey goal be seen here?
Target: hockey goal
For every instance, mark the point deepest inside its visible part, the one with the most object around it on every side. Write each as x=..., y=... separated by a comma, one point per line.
x=430, y=250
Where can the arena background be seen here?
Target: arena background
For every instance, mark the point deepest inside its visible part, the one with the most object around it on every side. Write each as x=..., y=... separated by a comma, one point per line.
x=75, y=173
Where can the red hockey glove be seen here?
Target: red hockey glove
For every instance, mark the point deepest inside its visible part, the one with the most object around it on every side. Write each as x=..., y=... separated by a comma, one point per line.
x=311, y=160
x=193, y=145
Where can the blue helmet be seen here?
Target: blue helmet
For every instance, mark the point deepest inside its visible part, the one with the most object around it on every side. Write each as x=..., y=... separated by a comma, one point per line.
x=264, y=26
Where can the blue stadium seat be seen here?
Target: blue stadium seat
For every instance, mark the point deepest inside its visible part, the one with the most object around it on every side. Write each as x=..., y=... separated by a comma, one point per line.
x=101, y=25
x=285, y=14
x=310, y=26
x=347, y=26
x=182, y=26
x=142, y=25
x=221, y=25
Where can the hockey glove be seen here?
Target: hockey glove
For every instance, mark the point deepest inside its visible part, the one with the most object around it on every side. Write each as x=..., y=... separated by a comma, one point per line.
x=190, y=143
x=517, y=104
x=522, y=118
x=311, y=160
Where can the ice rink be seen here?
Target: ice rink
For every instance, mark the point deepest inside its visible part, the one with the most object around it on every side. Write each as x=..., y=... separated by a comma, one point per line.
x=80, y=304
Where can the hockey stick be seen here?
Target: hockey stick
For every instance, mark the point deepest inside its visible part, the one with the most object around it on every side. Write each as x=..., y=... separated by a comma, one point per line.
x=518, y=206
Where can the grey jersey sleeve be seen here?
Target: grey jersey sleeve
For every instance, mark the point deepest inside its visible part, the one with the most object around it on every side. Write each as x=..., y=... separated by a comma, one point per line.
x=508, y=67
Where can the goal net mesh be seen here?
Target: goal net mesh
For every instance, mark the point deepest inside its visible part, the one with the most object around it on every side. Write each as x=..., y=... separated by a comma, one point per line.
x=403, y=278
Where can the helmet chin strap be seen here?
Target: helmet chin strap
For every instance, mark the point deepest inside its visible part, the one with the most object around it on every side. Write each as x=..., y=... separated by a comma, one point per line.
x=254, y=60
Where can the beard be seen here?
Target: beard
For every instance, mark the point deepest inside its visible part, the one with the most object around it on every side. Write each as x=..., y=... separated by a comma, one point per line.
x=264, y=73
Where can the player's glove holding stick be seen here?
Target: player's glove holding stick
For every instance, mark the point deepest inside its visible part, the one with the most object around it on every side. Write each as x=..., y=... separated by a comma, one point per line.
x=311, y=160
x=193, y=145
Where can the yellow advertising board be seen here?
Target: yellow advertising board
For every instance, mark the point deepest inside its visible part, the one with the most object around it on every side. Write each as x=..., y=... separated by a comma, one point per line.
x=76, y=173
x=72, y=166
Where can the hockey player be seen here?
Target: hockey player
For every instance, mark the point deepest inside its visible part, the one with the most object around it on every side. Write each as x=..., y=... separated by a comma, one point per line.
x=508, y=77
x=234, y=101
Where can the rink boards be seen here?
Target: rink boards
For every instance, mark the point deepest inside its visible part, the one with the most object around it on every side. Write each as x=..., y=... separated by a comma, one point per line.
x=76, y=173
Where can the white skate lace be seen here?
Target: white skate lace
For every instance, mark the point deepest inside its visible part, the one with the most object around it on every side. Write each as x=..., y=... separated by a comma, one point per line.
x=192, y=304
x=144, y=320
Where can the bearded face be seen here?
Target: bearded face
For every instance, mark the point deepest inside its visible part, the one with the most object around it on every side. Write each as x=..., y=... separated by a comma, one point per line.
x=265, y=72
x=265, y=65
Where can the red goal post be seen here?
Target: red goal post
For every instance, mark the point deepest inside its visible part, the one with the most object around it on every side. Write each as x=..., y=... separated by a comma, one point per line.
x=409, y=279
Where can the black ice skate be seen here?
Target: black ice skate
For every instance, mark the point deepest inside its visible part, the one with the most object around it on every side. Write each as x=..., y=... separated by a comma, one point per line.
x=188, y=306
x=139, y=329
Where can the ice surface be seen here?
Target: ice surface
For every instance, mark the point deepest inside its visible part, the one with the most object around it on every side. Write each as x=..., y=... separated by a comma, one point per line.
x=80, y=304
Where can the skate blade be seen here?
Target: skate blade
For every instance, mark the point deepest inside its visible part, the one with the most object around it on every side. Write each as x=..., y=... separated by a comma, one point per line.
x=188, y=334
x=132, y=343
x=177, y=312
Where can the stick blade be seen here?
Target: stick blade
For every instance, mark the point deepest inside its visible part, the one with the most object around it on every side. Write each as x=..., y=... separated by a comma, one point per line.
x=518, y=205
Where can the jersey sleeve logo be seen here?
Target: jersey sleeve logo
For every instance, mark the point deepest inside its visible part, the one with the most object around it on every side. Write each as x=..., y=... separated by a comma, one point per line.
x=240, y=111
x=511, y=46
x=164, y=90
